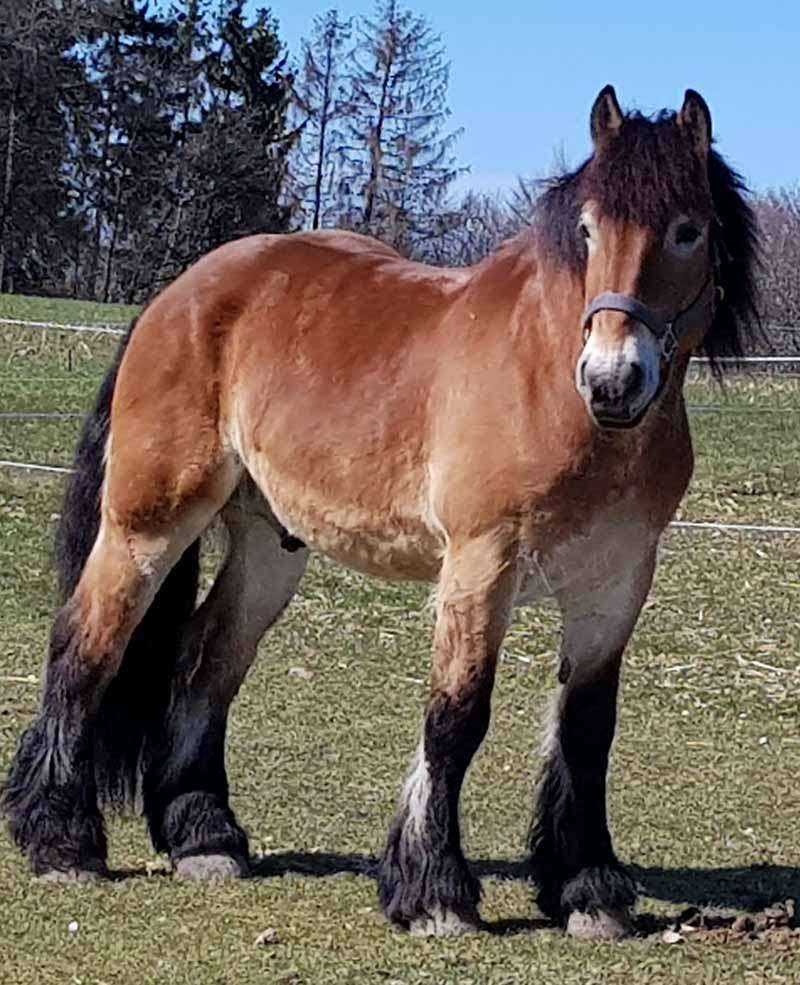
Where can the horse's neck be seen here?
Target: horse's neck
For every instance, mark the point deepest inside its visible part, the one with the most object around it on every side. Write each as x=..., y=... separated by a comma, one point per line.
x=534, y=310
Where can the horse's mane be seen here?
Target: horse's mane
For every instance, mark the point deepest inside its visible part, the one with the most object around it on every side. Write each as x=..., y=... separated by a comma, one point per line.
x=647, y=175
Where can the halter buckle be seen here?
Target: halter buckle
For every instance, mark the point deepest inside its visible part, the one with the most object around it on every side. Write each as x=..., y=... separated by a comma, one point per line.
x=669, y=342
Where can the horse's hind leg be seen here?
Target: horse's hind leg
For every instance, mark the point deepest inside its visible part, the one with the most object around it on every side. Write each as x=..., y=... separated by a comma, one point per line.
x=185, y=783
x=50, y=797
x=580, y=881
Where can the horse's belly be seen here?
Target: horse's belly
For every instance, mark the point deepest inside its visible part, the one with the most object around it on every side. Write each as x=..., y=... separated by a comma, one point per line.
x=392, y=541
x=396, y=550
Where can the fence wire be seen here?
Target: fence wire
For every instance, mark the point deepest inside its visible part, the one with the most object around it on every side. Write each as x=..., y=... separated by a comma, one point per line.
x=687, y=525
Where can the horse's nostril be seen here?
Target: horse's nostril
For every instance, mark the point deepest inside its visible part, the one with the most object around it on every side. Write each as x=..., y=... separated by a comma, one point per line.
x=614, y=394
x=603, y=394
x=635, y=378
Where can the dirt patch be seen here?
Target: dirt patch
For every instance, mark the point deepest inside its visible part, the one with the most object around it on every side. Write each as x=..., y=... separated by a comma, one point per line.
x=775, y=926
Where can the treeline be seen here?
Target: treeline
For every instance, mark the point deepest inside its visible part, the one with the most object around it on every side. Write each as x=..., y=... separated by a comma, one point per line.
x=132, y=141
x=134, y=138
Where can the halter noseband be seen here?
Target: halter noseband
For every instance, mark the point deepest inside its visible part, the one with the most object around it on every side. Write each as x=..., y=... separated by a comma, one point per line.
x=667, y=334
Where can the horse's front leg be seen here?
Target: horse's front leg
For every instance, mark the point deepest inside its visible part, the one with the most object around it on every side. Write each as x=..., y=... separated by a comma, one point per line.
x=581, y=883
x=424, y=882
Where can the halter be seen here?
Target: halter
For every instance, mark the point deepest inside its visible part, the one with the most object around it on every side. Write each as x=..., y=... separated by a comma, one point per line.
x=667, y=333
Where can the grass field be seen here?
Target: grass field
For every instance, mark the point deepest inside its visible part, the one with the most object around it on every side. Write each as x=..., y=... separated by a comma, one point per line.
x=705, y=786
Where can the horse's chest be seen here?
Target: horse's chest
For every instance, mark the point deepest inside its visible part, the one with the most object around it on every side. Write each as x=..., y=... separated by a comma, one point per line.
x=587, y=557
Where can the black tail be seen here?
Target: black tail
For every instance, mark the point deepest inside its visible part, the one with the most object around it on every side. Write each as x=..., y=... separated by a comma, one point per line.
x=134, y=706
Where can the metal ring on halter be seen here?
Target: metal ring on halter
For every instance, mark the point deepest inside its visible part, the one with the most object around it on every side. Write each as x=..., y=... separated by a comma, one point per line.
x=668, y=343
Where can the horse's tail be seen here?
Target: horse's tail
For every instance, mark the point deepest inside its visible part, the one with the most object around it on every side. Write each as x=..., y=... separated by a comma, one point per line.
x=133, y=707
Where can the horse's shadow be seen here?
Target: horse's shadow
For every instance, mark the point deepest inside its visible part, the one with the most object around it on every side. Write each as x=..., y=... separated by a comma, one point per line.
x=741, y=887
x=749, y=887
x=332, y=865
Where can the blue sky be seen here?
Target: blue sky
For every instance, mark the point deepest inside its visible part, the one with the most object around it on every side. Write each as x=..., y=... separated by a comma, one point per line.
x=524, y=74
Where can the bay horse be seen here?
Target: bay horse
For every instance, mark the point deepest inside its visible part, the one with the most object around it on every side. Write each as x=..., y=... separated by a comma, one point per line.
x=507, y=431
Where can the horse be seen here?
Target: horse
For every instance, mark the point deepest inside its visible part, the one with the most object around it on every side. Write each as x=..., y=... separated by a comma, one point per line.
x=506, y=431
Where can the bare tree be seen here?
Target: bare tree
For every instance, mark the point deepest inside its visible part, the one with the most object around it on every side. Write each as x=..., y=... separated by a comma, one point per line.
x=319, y=105
x=468, y=230
x=398, y=163
x=779, y=219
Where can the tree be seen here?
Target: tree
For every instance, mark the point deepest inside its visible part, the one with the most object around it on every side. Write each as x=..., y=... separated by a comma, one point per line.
x=779, y=283
x=319, y=108
x=397, y=162
x=37, y=86
x=244, y=132
x=184, y=146
x=124, y=137
x=469, y=230
x=133, y=139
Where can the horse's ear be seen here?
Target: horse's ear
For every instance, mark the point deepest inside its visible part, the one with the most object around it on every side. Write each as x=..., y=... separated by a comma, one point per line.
x=694, y=120
x=606, y=118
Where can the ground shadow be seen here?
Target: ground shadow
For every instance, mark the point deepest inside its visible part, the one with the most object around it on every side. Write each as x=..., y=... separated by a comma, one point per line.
x=750, y=888
x=330, y=864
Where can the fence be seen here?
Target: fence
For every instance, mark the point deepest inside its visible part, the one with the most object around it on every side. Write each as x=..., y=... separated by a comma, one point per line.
x=762, y=362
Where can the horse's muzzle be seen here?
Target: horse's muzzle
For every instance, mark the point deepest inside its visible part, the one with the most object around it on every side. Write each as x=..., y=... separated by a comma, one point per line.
x=615, y=399
x=619, y=377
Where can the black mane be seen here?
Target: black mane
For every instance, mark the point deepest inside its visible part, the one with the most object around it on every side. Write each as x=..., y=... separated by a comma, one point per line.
x=647, y=175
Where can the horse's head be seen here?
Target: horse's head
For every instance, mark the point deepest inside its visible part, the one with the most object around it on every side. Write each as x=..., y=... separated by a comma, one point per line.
x=645, y=219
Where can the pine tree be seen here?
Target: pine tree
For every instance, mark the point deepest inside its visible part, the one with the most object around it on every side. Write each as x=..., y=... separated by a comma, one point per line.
x=182, y=146
x=127, y=136
x=38, y=85
x=244, y=140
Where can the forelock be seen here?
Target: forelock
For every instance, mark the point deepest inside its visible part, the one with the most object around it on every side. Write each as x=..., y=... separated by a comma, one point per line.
x=647, y=174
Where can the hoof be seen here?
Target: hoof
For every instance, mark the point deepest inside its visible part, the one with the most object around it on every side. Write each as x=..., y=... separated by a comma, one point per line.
x=445, y=923
x=75, y=877
x=203, y=868
x=600, y=926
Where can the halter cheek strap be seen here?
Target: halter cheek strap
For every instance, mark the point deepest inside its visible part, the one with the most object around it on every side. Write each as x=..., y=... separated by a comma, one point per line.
x=667, y=333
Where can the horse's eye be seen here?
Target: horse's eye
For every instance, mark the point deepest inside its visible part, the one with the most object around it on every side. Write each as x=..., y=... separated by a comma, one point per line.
x=686, y=234
x=583, y=229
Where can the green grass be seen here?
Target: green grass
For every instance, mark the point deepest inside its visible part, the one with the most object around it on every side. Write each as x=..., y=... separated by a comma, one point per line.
x=704, y=786
x=64, y=311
